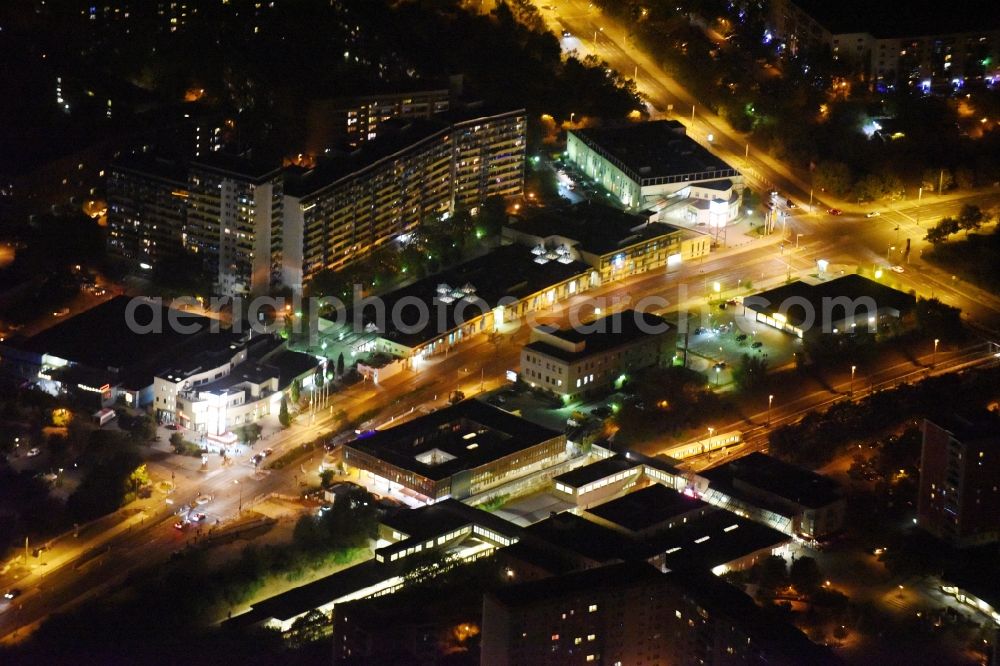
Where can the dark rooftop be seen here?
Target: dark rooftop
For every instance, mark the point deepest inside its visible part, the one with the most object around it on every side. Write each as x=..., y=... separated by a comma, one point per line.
x=102, y=338
x=647, y=508
x=609, y=332
x=652, y=149
x=236, y=165
x=444, y=516
x=153, y=165
x=598, y=229
x=508, y=271
x=709, y=540
x=790, y=482
x=920, y=18
x=456, y=438
x=394, y=136
x=971, y=426
x=850, y=286
x=581, y=476
x=569, y=531
x=616, y=576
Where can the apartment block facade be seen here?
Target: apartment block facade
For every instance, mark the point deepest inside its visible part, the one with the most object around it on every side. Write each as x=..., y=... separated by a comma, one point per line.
x=959, y=498
x=335, y=217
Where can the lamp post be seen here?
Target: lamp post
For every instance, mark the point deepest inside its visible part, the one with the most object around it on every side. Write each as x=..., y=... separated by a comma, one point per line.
x=239, y=508
x=711, y=431
x=717, y=371
x=770, y=400
x=934, y=357
x=853, y=368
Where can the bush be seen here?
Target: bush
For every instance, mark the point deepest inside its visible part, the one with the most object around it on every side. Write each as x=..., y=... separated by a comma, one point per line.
x=183, y=446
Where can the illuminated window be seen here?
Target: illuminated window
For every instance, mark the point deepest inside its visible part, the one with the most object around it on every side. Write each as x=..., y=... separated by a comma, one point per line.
x=593, y=608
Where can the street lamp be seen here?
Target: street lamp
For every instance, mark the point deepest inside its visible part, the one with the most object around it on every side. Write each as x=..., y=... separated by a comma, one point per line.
x=239, y=508
x=711, y=431
x=717, y=371
x=853, y=368
x=770, y=400
x=934, y=358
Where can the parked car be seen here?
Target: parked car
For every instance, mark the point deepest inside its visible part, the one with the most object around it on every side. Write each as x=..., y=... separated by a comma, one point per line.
x=180, y=525
x=790, y=204
x=257, y=458
x=12, y=593
x=835, y=211
x=896, y=269
x=197, y=517
x=873, y=213
x=757, y=345
x=601, y=412
x=267, y=452
x=33, y=452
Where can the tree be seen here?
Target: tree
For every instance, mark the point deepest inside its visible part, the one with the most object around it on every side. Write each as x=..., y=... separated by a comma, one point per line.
x=805, y=575
x=311, y=627
x=965, y=178
x=773, y=572
x=935, y=178
x=295, y=391
x=138, y=478
x=940, y=232
x=750, y=372
x=283, y=417
x=970, y=218
x=834, y=177
x=326, y=478
x=177, y=441
x=340, y=364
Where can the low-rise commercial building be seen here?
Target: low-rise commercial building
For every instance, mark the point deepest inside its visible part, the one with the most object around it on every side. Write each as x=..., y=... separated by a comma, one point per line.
x=454, y=452
x=842, y=305
x=597, y=354
x=614, y=243
x=112, y=350
x=217, y=391
x=789, y=498
x=436, y=313
x=654, y=165
x=959, y=498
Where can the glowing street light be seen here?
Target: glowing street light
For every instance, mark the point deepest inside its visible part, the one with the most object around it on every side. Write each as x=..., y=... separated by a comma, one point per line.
x=770, y=400
x=853, y=368
x=934, y=358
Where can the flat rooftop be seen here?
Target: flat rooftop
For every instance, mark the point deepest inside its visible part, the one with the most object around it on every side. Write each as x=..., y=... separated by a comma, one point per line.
x=614, y=576
x=395, y=136
x=154, y=165
x=101, y=337
x=884, y=19
x=784, y=480
x=850, y=286
x=581, y=476
x=609, y=332
x=461, y=437
x=643, y=509
x=597, y=229
x=468, y=290
x=237, y=166
x=654, y=149
x=709, y=540
x=971, y=426
x=445, y=516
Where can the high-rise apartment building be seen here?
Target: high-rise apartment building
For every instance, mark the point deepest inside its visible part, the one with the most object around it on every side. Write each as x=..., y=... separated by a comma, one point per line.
x=147, y=208
x=233, y=205
x=341, y=212
x=259, y=225
x=959, y=497
x=630, y=613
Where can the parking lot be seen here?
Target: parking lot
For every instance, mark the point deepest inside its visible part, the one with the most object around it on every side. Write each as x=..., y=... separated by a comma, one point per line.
x=720, y=338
